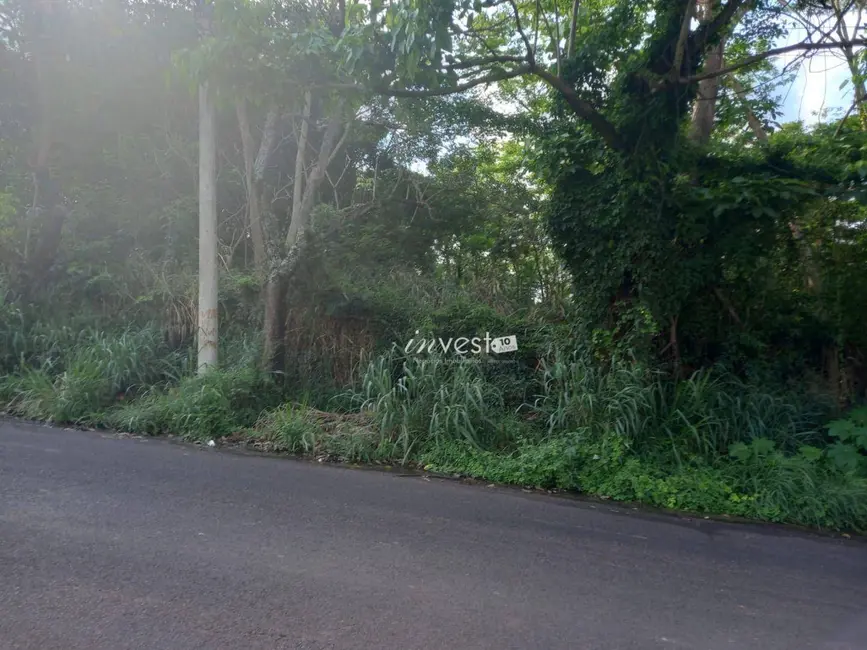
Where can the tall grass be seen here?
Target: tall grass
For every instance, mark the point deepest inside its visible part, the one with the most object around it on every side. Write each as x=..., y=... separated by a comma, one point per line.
x=226, y=399
x=697, y=417
x=217, y=404
x=67, y=376
x=419, y=402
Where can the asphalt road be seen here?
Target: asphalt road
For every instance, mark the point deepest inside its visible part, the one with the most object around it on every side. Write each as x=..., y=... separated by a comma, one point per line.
x=110, y=543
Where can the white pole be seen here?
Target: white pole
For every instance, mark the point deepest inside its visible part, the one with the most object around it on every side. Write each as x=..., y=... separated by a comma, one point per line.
x=208, y=269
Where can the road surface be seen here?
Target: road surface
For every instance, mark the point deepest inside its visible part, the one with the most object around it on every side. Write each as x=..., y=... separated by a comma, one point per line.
x=109, y=544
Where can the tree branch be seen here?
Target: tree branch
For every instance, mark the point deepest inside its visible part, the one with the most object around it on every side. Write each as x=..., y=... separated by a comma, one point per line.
x=496, y=75
x=583, y=109
x=483, y=61
x=755, y=58
x=557, y=38
x=570, y=46
x=266, y=147
x=753, y=121
x=682, y=39
x=300, y=162
x=711, y=29
x=536, y=28
x=339, y=145
x=530, y=55
x=251, y=182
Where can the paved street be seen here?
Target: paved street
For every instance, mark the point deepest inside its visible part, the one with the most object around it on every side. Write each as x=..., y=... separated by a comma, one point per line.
x=109, y=544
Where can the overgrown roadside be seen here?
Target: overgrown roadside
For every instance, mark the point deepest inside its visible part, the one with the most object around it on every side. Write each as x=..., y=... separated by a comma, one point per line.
x=708, y=445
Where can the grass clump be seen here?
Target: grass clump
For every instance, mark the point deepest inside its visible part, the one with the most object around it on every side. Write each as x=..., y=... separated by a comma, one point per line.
x=76, y=384
x=214, y=405
x=302, y=430
x=420, y=402
x=678, y=421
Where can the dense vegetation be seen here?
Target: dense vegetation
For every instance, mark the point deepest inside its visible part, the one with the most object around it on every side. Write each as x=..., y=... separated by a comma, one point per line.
x=605, y=180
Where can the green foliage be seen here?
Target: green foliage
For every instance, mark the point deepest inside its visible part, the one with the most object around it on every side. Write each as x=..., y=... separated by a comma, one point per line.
x=217, y=404
x=66, y=377
x=674, y=303
x=850, y=446
x=548, y=464
x=290, y=428
x=764, y=484
x=809, y=487
x=695, y=418
x=418, y=401
x=299, y=429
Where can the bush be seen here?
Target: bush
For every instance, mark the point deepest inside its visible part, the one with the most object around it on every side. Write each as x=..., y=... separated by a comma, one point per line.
x=815, y=487
x=757, y=481
x=683, y=420
x=424, y=401
x=549, y=464
x=76, y=381
x=298, y=429
x=210, y=406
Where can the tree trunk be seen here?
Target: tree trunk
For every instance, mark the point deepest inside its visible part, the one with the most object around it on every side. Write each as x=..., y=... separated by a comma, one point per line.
x=852, y=58
x=858, y=85
x=49, y=214
x=704, y=110
x=301, y=160
x=754, y=124
x=302, y=211
x=254, y=170
x=48, y=210
x=208, y=269
x=274, y=353
x=303, y=202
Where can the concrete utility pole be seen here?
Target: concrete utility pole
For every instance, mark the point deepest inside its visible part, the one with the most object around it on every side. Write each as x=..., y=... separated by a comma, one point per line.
x=208, y=326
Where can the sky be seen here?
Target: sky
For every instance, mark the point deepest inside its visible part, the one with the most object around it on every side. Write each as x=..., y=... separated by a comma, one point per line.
x=817, y=85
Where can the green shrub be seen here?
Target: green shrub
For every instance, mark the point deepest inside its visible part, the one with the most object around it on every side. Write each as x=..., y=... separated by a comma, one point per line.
x=30, y=394
x=811, y=487
x=298, y=429
x=549, y=464
x=210, y=406
x=757, y=481
x=76, y=380
x=849, y=451
x=290, y=428
x=698, y=417
x=423, y=401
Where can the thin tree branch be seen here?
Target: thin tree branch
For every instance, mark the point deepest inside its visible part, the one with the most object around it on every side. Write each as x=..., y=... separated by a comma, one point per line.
x=570, y=46
x=583, y=109
x=520, y=28
x=554, y=33
x=536, y=28
x=339, y=144
x=845, y=117
x=496, y=75
x=483, y=61
x=557, y=37
x=752, y=120
x=682, y=39
x=755, y=58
